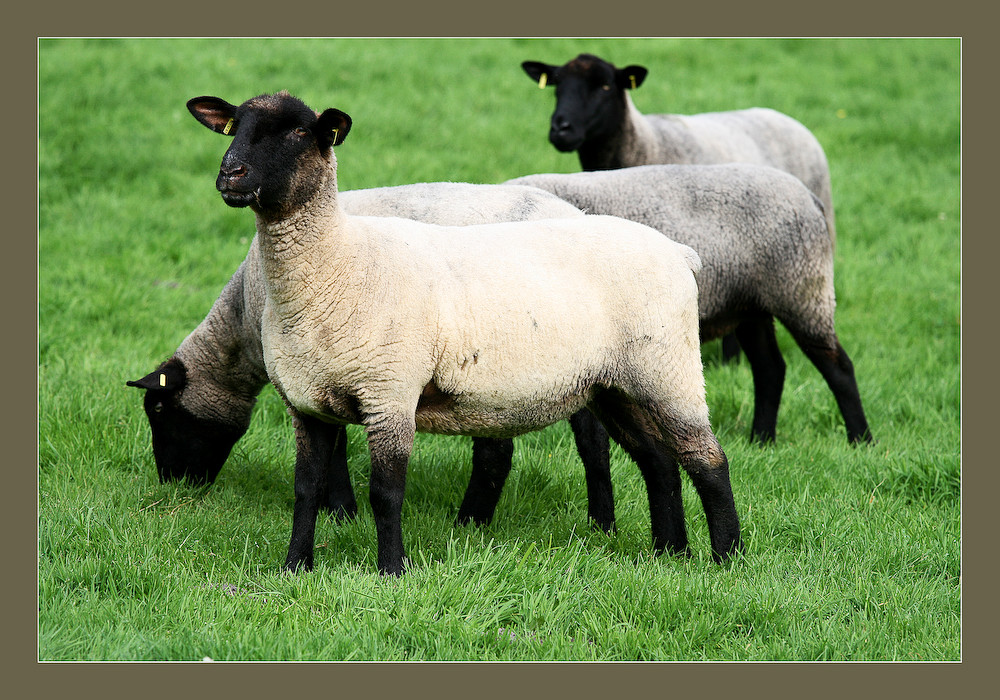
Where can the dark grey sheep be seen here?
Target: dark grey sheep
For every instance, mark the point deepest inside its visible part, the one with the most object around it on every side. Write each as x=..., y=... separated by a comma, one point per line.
x=765, y=254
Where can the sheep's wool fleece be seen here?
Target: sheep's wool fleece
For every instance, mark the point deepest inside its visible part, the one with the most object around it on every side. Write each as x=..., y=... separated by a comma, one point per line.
x=223, y=355
x=489, y=330
x=760, y=232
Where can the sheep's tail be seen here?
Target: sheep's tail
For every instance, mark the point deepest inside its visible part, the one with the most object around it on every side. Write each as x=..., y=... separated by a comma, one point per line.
x=691, y=257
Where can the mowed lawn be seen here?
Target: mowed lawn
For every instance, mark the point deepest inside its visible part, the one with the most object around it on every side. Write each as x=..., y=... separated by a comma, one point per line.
x=853, y=553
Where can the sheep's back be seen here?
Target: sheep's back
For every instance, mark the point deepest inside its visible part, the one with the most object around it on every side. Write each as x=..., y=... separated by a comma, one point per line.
x=757, y=229
x=531, y=312
x=457, y=203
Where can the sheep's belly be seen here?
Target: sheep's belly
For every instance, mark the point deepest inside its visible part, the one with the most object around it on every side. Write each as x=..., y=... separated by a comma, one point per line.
x=445, y=414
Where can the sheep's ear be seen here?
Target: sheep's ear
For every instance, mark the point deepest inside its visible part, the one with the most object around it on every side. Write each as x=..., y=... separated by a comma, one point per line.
x=542, y=73
x=332, y=127
x=630, y=77
x=215, y=113
x=167, y=377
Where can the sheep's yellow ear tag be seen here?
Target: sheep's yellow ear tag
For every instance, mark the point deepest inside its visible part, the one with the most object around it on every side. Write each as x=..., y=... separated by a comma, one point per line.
x=543, y=80
x=163, y=379
x=336, y=133
x=226, y=129
x=632, y=78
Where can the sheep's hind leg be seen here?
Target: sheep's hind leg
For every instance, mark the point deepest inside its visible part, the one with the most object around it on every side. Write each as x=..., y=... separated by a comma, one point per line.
x=703, y=459
x=390, y=443
x=339, y=498
x=630, y=428
x=314, y=445
x=692, y=443
x=491, y=462
x=837, y=369
x=730, y=348
x=757, y=338
x=592, y=445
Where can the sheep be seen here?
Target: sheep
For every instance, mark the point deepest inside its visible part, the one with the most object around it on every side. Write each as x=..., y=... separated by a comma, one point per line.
x=493, y=330
x=765, y=254
x=595, y=116
x=199, y=401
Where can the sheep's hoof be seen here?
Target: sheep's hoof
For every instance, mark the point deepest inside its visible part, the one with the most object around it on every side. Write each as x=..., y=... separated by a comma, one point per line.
x=297, y=565
x=731, y=554
x=342, y=513
x=864, y=438
x=392, y=569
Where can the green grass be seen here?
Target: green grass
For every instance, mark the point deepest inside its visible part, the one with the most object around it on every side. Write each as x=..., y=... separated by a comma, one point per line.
x=852, y=553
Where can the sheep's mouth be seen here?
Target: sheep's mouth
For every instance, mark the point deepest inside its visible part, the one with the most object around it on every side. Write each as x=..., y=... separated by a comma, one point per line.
x=240, y=198
x=565, y=140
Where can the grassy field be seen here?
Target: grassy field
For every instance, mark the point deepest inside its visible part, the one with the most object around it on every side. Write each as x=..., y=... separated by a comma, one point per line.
x=853, y=553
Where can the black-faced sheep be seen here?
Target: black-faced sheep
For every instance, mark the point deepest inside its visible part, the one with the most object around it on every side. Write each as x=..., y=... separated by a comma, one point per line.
x=199, y=401
x=492, y=330
x=765, y=254
x=595, y=116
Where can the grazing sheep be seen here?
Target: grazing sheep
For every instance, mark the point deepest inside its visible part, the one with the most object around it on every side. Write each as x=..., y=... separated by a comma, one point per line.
x=765, y=254
x=595, y=116
x=199, y=401
x=492, y=330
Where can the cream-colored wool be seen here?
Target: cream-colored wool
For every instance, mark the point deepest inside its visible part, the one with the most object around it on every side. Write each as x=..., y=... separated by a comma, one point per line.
x=502, y=329
x=223, y=355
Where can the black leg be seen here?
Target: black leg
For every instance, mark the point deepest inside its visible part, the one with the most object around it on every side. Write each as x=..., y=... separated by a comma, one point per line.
x=632, y=432
x=592, y=445
x=757, y=338
x=390, y=443
x=655, y=438
x=491, y=462
x=339, y=498
x=314, y=443
x=709, y=472
x=730, y=348
x=838, y=371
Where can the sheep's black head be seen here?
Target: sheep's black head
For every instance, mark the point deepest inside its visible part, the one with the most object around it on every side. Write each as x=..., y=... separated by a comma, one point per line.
x=185, y=446
x=590, y=97
x=280, y=152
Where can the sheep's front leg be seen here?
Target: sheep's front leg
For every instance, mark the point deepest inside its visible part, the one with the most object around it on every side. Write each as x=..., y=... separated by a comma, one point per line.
x=315, y=442
x=390, y=442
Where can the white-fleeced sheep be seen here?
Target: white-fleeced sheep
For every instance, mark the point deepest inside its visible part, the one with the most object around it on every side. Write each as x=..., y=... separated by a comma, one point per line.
x=200, y=400
x=492, y=330
x=765, y=254
x=596, y=117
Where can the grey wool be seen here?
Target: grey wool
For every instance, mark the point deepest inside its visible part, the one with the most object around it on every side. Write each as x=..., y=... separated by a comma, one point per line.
x=765, y=253
x=596, y=117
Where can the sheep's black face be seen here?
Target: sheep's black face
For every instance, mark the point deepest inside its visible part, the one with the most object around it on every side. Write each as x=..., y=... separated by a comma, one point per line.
x=590, y=98
x=280, y=153
x=185, y=446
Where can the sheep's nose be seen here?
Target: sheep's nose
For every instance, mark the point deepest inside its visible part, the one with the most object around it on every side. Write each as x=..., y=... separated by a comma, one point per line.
x=233, y=170
x=560, y=123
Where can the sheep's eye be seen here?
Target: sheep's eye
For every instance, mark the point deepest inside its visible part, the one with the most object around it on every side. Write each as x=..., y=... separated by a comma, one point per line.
x=300, y=131
x=605, y=87
x=158, y=407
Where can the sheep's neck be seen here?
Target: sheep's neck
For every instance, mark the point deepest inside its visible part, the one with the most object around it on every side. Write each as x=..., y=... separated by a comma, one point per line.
x=225, y=348
x=633, y=142
x=299, y=253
